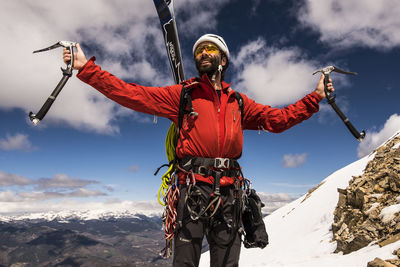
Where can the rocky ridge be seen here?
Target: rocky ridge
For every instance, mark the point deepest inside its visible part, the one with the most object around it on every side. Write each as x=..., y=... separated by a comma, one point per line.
x=368, y=209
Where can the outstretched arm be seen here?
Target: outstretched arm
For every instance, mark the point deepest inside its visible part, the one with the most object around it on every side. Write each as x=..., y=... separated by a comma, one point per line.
x=160, y=101
x=276, y=120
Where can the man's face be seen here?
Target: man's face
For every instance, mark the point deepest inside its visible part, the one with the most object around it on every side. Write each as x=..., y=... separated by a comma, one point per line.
x=207, y=61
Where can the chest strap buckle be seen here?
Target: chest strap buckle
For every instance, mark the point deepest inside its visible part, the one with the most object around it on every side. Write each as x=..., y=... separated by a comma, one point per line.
x=221, y=163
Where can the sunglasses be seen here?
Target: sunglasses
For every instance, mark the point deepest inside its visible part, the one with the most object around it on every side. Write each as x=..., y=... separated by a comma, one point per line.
x=210, y=49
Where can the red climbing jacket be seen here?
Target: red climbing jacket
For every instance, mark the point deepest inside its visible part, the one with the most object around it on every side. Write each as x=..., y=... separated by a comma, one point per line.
x=216, y=132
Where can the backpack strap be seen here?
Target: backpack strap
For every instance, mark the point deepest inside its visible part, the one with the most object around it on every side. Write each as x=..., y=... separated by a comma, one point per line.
x=239, y=99
x=181, y=111
x=185, y=100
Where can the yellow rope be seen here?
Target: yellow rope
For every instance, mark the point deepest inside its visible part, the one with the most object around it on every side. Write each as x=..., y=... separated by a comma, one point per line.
x=170, y=151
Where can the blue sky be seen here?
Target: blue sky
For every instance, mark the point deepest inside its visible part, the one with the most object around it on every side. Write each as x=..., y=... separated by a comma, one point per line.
x=90, y=150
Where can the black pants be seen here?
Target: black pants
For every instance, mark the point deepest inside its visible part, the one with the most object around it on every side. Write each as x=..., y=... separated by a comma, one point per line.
x=224, y=240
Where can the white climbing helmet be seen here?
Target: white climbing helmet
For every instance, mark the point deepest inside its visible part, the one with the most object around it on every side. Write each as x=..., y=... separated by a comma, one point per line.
x=215, y=39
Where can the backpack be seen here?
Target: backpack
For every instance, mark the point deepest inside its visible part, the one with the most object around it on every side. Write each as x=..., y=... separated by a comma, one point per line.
x=255, y=234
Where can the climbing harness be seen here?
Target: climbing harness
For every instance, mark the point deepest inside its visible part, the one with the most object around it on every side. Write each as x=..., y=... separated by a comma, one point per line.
x=67, y=73
x=198, y=206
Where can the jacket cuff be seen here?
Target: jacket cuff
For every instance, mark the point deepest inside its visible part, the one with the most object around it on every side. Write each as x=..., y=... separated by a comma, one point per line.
x=316, y=96
x=88, y=64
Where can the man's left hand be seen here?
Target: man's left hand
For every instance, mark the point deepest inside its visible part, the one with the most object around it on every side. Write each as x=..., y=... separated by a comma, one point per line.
x=320, y=87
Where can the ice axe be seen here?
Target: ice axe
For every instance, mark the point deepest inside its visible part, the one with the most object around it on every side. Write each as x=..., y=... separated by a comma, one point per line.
x=67, y=73
x=331, y=100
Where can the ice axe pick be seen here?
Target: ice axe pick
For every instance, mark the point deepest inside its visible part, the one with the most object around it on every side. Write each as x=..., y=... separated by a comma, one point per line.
x=331, y=100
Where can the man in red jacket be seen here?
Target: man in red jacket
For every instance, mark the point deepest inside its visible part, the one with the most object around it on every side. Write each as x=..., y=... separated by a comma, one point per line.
x=209, y=144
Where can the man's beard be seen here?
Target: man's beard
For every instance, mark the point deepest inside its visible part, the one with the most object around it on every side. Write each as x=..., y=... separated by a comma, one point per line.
x=208, y=69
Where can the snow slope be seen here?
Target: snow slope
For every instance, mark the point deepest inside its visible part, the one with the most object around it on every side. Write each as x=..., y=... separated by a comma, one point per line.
x=300, y=232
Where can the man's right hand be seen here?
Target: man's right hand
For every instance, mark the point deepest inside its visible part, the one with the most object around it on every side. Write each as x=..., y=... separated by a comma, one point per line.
x=79, y=57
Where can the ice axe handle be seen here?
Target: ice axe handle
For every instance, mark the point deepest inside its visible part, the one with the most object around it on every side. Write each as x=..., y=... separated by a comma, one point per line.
x=67, y=73
x=326, y=81
x=70, y=63
x=331, y=101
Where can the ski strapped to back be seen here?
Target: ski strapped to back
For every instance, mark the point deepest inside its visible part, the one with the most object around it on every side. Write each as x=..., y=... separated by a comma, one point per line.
x=165, y=12
x=168, y=188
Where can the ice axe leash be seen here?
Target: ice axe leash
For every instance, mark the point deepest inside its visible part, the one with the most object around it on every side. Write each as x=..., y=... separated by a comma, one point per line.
x=331, y=100
x=67, y=73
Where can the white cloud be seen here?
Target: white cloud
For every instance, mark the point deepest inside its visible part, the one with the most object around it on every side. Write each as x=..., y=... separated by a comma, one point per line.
x=9, y=196
x=27, y=26
x=8, y=179
x=125, y=36
x=62, y=181
x=83, y=192
x=60, y=186
x=368, y=23
x=294, y=160
x=58, y=181
x=90, y=209
x=38, y=196
x=294, y=185
x=374, y=139
x=16, y=142
x=274, y=201
x=273, y=76
x=276, y=197
x=200, y=15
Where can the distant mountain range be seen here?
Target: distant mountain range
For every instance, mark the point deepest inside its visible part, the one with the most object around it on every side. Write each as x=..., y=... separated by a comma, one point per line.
x=87, y=237
x=81, y=239
x=83, y=215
